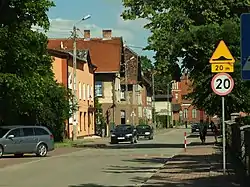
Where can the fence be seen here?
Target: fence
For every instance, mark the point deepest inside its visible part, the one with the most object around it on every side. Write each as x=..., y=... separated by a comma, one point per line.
x=238, y=145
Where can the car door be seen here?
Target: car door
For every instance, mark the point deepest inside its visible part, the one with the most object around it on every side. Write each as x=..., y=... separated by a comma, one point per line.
x=13, y=145
x=29, y=140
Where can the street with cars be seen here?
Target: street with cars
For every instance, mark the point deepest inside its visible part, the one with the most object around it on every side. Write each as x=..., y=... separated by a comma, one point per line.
x=114, y=165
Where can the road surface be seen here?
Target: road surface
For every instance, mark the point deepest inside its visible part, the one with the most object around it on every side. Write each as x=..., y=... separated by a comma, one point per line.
x=116, y=165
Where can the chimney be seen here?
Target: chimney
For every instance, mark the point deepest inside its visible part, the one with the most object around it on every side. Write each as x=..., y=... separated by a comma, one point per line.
x=86, y=34
x=107, y=34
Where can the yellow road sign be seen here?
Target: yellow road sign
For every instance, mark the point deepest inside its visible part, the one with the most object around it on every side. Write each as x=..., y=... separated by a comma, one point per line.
x=222, y=54
x=222, y=68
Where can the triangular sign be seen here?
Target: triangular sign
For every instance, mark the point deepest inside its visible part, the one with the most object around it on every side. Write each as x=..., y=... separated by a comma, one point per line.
x=222, y=54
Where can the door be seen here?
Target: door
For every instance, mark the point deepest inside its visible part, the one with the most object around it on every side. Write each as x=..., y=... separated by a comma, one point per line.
x=13, y=145
x=29, y=140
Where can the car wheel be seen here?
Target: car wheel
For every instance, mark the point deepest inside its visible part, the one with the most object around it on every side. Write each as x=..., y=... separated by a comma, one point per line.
x=150, y=138
x=1, y=151
x=42, y=150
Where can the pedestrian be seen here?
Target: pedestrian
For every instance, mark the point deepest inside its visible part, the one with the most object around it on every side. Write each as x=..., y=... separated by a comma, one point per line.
x=186, y=124
x=203, y=132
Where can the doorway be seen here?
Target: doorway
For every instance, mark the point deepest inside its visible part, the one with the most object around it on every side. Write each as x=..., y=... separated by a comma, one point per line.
x=123, y=117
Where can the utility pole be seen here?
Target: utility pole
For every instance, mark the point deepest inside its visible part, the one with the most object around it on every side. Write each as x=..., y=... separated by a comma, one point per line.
x=168, y=120
x=153, y=89
x=74, y=85
x=126, y=90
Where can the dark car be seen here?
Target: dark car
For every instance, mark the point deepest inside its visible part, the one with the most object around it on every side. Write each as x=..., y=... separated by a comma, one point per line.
x=124, y=133
x=195, y=127
x=145, y=131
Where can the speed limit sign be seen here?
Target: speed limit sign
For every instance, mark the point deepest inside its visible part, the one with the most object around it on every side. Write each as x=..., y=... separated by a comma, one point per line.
x=222, y=84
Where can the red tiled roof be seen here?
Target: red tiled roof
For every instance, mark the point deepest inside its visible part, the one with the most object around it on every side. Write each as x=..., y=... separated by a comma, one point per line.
x=105, y=54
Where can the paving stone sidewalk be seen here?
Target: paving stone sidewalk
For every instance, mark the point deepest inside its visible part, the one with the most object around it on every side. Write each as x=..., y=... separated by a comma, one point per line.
x=200, y=165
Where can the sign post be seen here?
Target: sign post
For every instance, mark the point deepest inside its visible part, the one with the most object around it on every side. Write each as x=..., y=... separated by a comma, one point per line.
x=222, y=84
x=245, y=45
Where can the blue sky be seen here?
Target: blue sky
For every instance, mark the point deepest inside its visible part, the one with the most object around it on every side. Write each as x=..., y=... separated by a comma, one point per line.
x=105, y=14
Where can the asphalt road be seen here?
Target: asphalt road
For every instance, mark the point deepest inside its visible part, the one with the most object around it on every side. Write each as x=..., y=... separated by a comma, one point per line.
x=115, y=165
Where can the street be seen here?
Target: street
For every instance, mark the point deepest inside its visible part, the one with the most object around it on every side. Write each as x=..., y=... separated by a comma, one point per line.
x=115, y=165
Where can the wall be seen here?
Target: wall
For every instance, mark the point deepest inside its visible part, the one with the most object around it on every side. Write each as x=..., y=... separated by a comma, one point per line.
x=85, y=96
x=59, y=67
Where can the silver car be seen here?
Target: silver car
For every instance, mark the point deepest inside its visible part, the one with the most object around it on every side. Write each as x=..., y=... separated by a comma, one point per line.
x=25, y=139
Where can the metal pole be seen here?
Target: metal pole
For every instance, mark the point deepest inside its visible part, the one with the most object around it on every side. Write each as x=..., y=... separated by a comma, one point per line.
x=224, y=135
x=153, y=89
x=74, y=84
x=126, y=89
x=168, y=120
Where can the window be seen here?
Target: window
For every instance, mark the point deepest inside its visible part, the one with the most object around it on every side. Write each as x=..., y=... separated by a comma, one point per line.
x=84, y=91
x=91, y=93
x=176, y=96
x=194, y=112
x=123, y=92
x=80, y=90
x=185, y=114
x=87, y=91
x=28, y=132
x=70, y=81
x=98, y=89
x=15, y=132
x=40, y=132
x=84, y=121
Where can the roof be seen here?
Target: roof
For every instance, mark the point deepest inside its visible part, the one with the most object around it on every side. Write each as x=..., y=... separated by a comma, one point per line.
x=105, y=54
x=81, y=55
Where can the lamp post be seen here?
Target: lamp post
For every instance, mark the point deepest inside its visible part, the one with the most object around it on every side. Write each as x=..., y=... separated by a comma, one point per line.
x=74, y=79
x=126, y=85
x=153, y=90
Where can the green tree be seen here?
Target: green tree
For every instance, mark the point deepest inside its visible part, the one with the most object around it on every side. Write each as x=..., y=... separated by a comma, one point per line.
x=29, y=94
x=146, y=64
x=190, y=30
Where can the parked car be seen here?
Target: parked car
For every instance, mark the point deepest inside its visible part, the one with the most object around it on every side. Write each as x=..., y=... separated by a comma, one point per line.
x=145, y=131
x=19, y=140
x=124, y=133
x=195, y=127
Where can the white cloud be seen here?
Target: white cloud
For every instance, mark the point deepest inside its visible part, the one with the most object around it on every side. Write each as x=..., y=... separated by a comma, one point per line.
x=135, y=25
x=63, y=28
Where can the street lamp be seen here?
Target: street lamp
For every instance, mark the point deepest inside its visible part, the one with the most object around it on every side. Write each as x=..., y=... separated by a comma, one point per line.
x=126, y=82
x=74, y=79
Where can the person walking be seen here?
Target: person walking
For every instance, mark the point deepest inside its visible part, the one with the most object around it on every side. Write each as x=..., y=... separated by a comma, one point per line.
x=203, y=132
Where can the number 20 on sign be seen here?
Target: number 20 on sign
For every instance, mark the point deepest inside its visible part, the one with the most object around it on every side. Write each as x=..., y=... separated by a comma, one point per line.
x=222, y=84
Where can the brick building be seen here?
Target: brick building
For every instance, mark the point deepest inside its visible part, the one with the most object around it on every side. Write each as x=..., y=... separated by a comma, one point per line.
x=183, y=110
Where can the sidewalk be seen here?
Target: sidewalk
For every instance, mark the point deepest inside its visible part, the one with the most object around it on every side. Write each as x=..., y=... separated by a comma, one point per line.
x=199, y=166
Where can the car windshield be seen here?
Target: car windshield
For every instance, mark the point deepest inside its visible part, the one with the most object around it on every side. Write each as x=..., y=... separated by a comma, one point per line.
x=123, y=128
x=3, y=132
x=143, y=127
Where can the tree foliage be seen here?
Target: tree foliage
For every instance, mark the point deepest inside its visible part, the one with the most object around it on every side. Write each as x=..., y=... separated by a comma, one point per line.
x=29, y=94
x=190, y=30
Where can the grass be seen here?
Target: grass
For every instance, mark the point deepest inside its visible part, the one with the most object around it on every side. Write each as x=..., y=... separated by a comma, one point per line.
x=70, y=143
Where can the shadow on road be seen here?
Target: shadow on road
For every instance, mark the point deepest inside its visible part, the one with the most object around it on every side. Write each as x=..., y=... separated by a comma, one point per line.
x=182, y=170
x=97, y=185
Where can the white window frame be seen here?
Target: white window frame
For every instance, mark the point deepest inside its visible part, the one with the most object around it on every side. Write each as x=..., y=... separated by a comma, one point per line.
x=97, y=87
x=80, y=90
x=185, y=113
x=84, y=91
x=88, y=91
x=194, y=113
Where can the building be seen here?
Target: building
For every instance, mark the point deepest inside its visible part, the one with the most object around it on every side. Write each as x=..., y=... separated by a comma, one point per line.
x=110, y=56
x=183, y=110
x=84, y=84
x=163, y=108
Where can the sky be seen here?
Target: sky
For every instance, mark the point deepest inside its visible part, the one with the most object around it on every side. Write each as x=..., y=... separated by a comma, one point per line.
x=105, y=14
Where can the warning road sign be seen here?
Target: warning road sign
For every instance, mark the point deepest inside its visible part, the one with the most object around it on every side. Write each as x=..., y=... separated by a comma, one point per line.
x=222, y=54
